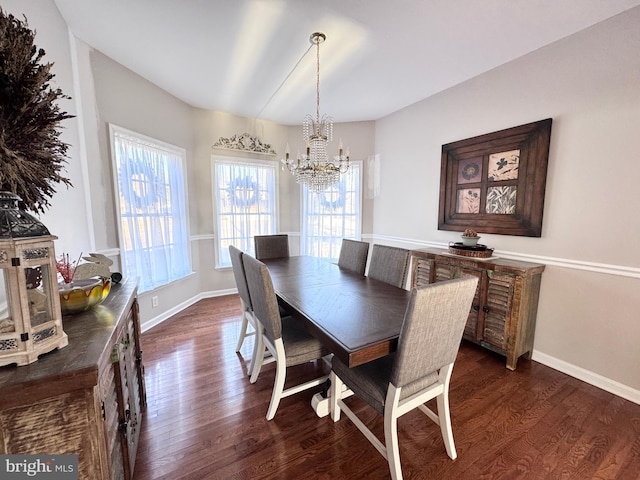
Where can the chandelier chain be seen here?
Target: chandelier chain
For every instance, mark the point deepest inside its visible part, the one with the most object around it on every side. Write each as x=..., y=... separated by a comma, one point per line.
x=317, y=41
x=284, y=81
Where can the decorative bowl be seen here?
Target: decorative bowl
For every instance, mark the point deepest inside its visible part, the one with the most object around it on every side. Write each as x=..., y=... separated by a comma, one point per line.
x=469, y=241
x=81, y=295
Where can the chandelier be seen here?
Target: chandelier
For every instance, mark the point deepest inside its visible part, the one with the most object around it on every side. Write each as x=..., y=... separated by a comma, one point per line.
x=314, y=168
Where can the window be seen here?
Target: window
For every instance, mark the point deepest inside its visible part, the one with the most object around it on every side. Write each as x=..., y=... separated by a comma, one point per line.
x=152, y=208
x=246, y=203
x=330, y=216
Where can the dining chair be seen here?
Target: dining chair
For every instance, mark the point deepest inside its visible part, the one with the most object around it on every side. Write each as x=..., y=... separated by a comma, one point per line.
x=418, y=371
x=271, y=246
x=353, y=255
x=286, y=338
x=248, y=317
x=389, y=264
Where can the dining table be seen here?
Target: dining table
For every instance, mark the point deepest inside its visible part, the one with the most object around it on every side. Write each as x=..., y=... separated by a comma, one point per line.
x=356, y=317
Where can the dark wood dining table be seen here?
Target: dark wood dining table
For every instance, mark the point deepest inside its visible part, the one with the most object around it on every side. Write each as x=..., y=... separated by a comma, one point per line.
x=356, y=317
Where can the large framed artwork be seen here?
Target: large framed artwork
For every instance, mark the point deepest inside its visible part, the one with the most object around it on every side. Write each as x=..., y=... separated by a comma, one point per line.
x=495, y=183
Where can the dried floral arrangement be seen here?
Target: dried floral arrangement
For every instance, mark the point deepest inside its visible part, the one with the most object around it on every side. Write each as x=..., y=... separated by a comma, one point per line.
x=66, y=267
x=95, y=265
x=32, y=156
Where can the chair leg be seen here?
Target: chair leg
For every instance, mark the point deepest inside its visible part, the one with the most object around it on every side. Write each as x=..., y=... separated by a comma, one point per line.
x=335, y=392
x=258, y=355
x=281, y=374
x=243, y=329
x=254, y=353
x=445, y=424
x=391, y=432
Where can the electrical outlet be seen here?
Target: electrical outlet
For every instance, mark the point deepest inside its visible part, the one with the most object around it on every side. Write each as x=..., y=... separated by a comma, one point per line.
x=154, y=301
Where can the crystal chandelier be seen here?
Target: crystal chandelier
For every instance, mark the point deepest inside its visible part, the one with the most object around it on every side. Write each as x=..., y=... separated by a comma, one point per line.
x=314, y=168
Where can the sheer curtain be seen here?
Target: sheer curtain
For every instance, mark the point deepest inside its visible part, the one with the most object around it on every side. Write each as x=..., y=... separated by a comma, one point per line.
x=332, y=215
x=246, y=200
x=152, y=209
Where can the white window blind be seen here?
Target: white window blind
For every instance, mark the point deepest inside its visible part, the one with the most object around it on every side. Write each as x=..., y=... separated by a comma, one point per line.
x=332, y=215
x=245, y=195
x=152, y=208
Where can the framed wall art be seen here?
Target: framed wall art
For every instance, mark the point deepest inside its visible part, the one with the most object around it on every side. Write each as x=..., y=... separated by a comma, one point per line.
x=495, y=183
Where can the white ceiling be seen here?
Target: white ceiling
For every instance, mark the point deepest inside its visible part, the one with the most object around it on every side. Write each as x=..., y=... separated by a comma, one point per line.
x=379, y=56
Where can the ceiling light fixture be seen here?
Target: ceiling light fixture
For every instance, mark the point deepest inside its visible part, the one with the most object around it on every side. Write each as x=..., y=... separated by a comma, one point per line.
x=314, y=168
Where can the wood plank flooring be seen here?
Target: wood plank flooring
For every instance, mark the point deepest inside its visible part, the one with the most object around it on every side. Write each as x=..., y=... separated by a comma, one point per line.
x=206, y=421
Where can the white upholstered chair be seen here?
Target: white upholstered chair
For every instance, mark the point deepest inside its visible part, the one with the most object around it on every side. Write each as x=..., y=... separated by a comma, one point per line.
x=389, y=264
x=418, y=371
x=287, y=339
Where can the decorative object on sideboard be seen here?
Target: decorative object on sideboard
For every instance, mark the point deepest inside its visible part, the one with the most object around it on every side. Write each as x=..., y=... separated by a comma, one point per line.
x=244, y=143
x=32, y=156
x=470, y=237
x=84, y=285
x=469, y=247
x=475, y=251
x=314, y=168
x=30, y=314
x=496, y=181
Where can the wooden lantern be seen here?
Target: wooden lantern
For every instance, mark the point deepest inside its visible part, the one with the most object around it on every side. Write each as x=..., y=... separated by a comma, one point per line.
x=30, y=315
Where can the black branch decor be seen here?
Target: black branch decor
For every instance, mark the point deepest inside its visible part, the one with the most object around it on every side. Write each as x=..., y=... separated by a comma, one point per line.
x=32, y=156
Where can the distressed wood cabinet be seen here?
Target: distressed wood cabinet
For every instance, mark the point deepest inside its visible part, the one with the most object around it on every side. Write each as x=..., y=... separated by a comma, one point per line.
x=503, y=315
x=86, y=399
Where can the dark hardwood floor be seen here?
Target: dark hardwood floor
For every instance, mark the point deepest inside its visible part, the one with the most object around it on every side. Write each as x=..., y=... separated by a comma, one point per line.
x=206, y=421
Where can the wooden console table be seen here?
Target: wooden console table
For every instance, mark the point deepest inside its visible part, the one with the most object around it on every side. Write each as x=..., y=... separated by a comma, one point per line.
x=503, y=314
x=87, y=398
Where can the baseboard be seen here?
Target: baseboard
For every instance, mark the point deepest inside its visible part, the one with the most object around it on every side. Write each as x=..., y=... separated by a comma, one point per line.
x=588, y=376
x=152, y=322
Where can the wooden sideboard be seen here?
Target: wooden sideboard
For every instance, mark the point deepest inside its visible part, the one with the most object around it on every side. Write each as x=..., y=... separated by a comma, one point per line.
x=503, y=314
x=87, y=398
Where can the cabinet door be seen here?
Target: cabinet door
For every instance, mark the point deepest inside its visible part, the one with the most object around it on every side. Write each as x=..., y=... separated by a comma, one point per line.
x=121, y=377
x=112, y=417
x=497, y=309
x=422, y=271
x=135, y=391
x=473, y=327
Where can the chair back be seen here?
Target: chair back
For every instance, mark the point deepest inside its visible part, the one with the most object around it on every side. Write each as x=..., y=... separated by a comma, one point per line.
x=389, y=264
x=263, y=296
x=237, y=264
x=271, y=246
x=353, y=255
x=432, y=328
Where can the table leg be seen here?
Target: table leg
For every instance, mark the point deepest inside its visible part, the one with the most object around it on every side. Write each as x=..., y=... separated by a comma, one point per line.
x=320, y=403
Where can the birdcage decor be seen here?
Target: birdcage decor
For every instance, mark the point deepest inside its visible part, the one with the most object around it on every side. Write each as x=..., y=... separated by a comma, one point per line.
x=30, y=315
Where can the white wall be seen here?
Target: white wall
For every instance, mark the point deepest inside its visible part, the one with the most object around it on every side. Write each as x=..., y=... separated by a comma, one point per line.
x=589, y=84
x=68, y=217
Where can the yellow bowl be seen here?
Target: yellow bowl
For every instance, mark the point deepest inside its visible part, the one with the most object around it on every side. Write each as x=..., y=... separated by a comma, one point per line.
x=81, y=295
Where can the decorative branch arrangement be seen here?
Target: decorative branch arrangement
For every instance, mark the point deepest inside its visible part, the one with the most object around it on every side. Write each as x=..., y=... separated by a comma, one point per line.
x=32, y=156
